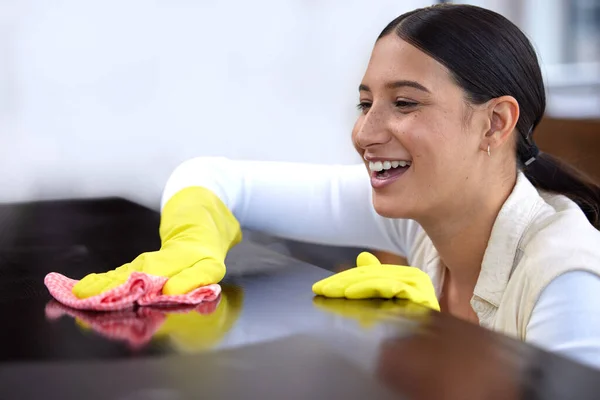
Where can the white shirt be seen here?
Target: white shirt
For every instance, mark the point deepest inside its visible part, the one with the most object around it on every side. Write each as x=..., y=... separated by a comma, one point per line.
x=331, y=205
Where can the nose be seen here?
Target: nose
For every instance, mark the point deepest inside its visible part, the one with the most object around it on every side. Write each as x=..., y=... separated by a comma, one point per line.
x=371, y=130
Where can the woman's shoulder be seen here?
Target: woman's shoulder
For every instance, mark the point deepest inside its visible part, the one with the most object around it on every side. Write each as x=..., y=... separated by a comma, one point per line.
x=558, y=213
x=560, y=238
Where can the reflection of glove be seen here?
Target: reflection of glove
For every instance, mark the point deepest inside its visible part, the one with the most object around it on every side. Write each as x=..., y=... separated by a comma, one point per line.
x=196, y=230
x=194, y=332
x=371, y=279
x=369, y=312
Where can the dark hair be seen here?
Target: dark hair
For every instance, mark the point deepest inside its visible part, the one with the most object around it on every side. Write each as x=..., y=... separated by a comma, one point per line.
x=490, y=57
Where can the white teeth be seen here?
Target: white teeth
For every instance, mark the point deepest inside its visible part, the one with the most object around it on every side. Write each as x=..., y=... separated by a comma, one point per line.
x=378, y=166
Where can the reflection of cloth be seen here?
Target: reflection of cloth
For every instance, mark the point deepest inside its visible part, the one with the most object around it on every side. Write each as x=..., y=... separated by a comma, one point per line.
x=140, y=288
x=136, y=327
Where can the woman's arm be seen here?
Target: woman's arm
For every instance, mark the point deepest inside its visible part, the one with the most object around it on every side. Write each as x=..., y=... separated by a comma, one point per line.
x=566, y=320
x=326, y=204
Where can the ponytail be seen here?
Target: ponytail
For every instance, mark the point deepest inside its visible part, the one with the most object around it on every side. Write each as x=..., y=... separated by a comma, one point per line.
x=549, y=173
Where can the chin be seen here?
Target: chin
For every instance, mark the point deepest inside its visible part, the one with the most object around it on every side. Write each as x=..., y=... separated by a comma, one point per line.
x=391, y=207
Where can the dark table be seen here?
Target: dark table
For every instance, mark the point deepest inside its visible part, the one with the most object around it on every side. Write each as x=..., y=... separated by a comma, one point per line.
x=266, y=337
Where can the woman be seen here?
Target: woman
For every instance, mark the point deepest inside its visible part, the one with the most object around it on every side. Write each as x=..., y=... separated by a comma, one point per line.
x=452, y=180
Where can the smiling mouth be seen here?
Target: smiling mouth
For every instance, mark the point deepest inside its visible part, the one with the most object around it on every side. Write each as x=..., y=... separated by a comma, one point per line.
x=388, y=169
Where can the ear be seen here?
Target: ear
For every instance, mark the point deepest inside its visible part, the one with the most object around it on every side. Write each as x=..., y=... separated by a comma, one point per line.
x=503, y=114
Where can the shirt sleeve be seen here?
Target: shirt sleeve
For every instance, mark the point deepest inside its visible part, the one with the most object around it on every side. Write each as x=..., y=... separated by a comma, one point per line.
x=565, y=319
x=325, y=204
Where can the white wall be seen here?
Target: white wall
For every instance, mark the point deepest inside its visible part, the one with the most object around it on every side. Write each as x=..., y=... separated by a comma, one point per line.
x=106, y=97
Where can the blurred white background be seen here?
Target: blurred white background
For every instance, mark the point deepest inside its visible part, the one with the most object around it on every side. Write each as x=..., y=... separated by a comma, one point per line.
x=106, y=97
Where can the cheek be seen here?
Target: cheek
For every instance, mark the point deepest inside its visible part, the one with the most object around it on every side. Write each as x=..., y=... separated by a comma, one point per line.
x=441, y=138
x=417, y=135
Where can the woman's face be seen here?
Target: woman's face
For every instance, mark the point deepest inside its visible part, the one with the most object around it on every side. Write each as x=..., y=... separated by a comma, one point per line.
x=421, y=141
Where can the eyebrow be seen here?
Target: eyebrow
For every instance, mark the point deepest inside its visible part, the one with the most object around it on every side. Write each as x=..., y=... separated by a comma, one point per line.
x=397, y=84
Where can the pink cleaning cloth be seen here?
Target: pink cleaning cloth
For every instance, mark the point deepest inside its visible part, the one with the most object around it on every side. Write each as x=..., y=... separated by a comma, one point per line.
x=135, y=327
x=141, y=289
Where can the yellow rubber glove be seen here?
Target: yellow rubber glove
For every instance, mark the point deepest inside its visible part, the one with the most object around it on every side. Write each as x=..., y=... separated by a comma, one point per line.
x=371, y=279
x=196, y=230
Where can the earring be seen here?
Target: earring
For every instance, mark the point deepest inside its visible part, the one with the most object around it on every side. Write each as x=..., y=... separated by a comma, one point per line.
x=489, y=155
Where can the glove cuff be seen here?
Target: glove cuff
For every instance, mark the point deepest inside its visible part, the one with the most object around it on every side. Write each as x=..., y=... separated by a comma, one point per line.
x=196, y=214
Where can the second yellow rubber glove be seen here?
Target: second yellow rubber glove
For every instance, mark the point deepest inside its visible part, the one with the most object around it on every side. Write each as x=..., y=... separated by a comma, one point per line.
x=196, y=230
x=371, y=279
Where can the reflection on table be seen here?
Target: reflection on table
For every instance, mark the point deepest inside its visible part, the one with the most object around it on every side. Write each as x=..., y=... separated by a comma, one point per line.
x=266, y=336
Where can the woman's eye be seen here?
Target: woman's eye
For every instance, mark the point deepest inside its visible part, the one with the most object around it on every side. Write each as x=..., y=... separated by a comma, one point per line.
x=363, y=106
x=405, y=104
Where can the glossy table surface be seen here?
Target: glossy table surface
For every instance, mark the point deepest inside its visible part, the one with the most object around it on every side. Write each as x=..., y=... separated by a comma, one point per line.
x=267, y=336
